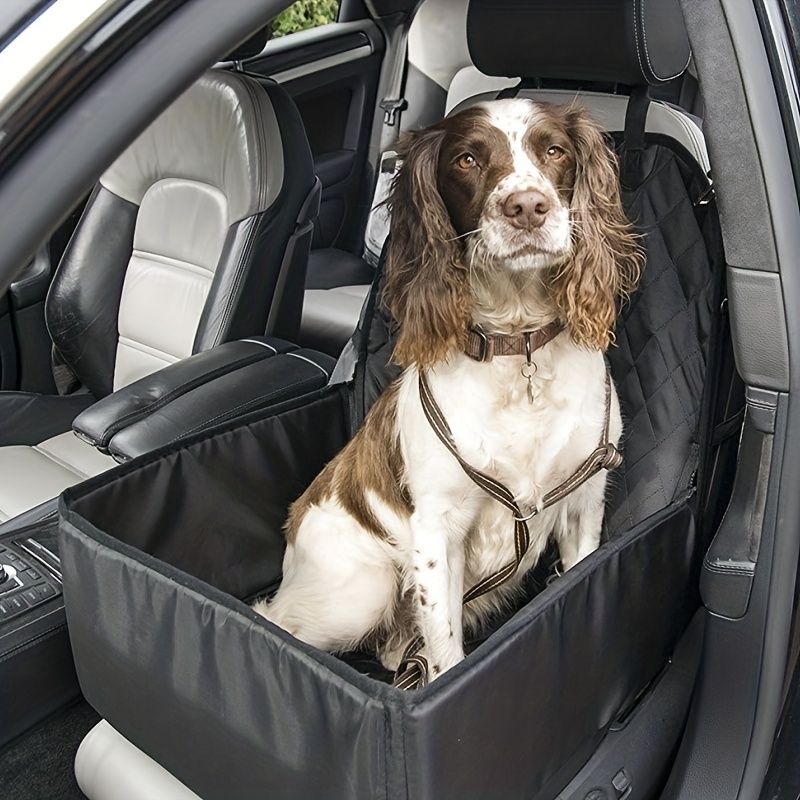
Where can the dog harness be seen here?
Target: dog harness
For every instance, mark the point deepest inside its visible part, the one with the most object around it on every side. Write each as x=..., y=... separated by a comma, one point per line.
x=413, y=669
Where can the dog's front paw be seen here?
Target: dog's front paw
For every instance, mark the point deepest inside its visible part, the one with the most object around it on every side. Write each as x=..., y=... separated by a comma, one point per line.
x=261, y=607
x=440, y=666
x=439, y=663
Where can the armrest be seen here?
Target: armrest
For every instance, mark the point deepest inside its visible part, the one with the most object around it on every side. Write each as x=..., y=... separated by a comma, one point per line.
x=200, y=391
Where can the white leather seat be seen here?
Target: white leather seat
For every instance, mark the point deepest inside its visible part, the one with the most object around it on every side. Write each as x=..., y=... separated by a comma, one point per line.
x=32, y=474
x=184, y=244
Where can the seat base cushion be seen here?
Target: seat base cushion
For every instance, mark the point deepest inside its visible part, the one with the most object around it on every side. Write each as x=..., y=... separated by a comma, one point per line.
x=34, y=474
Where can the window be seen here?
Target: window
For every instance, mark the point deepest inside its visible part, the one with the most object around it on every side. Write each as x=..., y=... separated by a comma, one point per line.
x=305, y=14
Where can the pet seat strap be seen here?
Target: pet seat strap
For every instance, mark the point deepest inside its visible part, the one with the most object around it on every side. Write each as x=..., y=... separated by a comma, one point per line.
x=633, y=146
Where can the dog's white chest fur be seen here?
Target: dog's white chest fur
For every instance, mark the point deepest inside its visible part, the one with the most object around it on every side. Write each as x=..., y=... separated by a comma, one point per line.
x=529, y=447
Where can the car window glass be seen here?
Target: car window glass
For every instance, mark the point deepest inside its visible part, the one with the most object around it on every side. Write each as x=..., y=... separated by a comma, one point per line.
x=791, y=9
x=305, y=14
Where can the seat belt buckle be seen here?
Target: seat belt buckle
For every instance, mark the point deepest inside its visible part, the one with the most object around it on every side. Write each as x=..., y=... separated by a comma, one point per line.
x=391, y=108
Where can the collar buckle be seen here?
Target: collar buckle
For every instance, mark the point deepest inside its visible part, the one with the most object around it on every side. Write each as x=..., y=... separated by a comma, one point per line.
x=484, y=345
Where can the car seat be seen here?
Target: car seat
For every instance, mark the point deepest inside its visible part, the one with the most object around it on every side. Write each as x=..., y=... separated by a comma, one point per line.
x=197, y=234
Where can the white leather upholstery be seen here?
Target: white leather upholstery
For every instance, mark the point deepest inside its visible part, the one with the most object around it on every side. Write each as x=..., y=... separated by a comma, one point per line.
x=109, y=767
x=180, y=231
x=222, y=137
x=32, y=475
x=469, y=82
x=437, y=40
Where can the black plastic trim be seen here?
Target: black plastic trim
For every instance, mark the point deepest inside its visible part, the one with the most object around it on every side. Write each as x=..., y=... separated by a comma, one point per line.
x=272, y=64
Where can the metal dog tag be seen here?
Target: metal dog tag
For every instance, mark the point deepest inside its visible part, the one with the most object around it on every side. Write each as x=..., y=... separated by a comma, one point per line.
x=528, y=371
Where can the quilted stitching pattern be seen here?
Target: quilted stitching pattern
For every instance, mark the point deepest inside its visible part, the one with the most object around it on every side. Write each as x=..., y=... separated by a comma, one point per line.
x=659, y=364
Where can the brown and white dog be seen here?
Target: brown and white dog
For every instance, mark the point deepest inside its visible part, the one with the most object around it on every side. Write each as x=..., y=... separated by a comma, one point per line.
x=507, y=216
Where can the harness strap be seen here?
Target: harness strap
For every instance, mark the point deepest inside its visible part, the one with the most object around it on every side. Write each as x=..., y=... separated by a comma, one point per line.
x=413, y=668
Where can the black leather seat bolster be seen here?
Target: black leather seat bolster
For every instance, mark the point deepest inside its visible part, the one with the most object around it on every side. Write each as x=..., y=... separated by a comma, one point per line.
x=27, y=418
x=226, y=396
x=99, y=423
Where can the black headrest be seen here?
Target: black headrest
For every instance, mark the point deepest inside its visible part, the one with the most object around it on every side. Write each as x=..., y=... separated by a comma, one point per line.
x=252, y=46
x=620, y=41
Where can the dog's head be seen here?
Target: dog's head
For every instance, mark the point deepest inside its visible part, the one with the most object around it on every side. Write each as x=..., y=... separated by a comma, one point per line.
x=510, y=185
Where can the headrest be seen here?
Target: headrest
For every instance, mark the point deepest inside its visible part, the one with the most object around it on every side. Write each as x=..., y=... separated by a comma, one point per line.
x=617, y=41
x=222, y=131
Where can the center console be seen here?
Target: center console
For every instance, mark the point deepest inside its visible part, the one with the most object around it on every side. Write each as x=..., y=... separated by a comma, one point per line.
x=37, y=674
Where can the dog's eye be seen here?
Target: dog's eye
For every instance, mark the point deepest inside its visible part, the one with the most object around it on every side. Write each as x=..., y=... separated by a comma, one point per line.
x=466, y=161
x=555, y=152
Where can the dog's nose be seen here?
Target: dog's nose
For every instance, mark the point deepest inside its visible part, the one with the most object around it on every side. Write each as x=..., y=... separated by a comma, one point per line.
x=526, y=209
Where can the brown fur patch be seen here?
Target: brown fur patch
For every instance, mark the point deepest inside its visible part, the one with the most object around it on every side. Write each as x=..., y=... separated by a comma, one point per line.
x=370, y=462
x=558, y=168
x=464, y=190
x=607, y=258
x=447, y=175
x=427, y=287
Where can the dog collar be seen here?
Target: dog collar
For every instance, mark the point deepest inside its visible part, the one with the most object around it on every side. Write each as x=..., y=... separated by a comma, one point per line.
x=484, y=346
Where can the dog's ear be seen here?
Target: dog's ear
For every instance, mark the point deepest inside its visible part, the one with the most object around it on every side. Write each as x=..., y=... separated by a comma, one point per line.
x=607, y=258
x=426, y=289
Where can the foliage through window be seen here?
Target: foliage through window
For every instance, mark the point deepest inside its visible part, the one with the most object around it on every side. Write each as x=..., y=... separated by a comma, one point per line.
x=305, y=14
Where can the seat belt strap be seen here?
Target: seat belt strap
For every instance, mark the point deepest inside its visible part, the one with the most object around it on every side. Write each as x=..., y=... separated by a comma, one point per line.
x=393, y=77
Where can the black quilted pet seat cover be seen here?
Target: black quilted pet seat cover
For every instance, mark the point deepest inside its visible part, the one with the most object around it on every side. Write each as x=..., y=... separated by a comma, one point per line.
x=161, y=555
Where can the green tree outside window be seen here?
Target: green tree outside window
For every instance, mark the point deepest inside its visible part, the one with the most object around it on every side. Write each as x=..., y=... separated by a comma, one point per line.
x=305, y=14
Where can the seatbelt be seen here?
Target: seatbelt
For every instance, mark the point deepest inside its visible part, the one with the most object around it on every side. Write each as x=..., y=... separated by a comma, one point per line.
x=395, y=29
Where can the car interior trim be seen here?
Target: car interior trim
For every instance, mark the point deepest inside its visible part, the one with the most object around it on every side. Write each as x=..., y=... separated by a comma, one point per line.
x=323, y=64
x=45, y=42
x=66, y=160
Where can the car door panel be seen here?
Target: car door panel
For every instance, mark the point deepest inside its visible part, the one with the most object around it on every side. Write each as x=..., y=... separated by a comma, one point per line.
x=27, y=297
x=332, y=74
x=8, y=351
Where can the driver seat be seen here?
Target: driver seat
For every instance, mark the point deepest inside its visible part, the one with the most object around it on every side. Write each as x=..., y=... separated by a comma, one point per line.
x=196, y=235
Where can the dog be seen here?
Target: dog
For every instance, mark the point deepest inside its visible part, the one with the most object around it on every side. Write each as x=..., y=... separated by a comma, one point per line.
x=505, y=218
